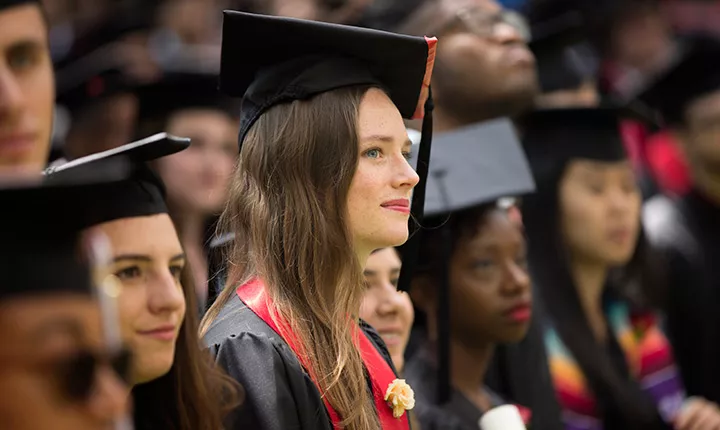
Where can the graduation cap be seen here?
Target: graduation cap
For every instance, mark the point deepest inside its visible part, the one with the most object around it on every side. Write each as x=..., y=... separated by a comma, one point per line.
x=269, y=60
x=695, y=74
x=141, y=194
x=557, y=44
x=182, y=90
x=39, y=232
x=5, y=4
x=471, y=167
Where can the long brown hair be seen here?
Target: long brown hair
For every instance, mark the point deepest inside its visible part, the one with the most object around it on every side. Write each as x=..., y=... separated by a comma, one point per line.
x=195, y=394
x=288, y=209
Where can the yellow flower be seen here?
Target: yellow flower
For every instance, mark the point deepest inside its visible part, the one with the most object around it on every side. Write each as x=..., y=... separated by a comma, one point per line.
x=400, y=397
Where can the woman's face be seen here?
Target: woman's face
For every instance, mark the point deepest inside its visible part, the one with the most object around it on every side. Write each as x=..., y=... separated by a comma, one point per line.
x=148, y=260
x=600, y=211
x=197, y=179
x=385, y=308
x=489, y=283
x=379, y=195
x=41, y=380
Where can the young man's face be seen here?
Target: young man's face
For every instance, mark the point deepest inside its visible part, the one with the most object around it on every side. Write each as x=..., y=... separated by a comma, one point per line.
x=27, y=90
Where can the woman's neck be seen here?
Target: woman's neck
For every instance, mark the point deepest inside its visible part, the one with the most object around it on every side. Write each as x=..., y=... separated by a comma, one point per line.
x=589, y=279
x=468, y=367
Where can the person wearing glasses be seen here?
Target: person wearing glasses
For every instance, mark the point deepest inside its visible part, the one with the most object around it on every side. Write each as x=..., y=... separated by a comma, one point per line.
x=27, y=88
x=484, y=69
x=58, y=369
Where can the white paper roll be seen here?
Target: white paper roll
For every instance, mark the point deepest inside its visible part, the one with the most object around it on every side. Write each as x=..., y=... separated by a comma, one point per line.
x=505, y=417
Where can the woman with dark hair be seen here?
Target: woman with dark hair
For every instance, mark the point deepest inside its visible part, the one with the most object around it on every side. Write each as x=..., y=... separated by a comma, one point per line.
x=471, y=281
x=611, y=365
x=175, y=384
x=322, y=181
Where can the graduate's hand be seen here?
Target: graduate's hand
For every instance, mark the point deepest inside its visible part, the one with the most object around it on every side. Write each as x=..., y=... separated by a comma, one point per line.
x=698, y=414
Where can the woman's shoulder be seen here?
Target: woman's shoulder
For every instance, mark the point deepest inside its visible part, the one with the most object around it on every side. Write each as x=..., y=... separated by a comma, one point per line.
x=237, y=323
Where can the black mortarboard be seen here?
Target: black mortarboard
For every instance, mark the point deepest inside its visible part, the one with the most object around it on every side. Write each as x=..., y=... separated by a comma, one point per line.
x=554, y=136
x=292, y=59
x=4, y=4
x=471, y=167
x=563, y=60
x=142, y=194
x=182, y=90
x=697, y=73
x=39, y=233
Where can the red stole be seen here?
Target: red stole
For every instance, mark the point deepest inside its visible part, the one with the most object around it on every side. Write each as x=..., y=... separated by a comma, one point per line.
x=380, y=373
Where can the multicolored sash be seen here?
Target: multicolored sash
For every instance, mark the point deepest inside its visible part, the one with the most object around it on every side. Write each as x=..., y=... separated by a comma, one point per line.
x=649, y=357
x=381, y=374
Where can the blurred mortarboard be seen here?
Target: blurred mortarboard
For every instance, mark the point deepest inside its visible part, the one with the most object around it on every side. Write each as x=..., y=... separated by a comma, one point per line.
x=554, y=136
x=476, y=165
x=471, y=167
x=182, y=90
x=142, y=194
x=696, y=73
x=5, y=4
x=292, y=59
x=558, y=44
x=40, y=227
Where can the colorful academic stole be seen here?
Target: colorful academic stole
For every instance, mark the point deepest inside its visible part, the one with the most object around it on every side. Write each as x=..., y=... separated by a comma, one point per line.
x=649, y=357
x=381, y=375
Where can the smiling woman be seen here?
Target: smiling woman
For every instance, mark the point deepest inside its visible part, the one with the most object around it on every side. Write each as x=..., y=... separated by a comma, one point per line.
x=175, y=384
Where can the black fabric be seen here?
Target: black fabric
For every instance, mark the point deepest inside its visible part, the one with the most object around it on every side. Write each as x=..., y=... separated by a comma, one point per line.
x=39, y=234
x=4, y=4
x=459, y=413
x=142, y=194
x=279, y=394
x=693, y=76
x=554, y=136
x=182, y=90
x=268, y=60
x=688, y=236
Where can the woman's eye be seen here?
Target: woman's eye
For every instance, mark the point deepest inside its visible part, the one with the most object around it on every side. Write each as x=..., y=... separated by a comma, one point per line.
x=483, y=264
x=372, y=153
x=128, y=273
x=176, y=271
x=407, y=155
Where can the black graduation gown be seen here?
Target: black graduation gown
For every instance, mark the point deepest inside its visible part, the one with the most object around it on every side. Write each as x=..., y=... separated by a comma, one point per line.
x=459, y=413
x=279, y=394
x=521, y=373
x=687, y=232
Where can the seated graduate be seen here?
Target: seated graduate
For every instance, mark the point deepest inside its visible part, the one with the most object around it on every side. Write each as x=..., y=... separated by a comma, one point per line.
x=58, y=370
x=611, y=365
x=687, y=230
x=175, y=383
x=186, y=102
x=323, y=180
x=470, y=281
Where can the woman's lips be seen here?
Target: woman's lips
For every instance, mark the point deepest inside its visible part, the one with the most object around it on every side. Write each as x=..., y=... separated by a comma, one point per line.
x=165, y=333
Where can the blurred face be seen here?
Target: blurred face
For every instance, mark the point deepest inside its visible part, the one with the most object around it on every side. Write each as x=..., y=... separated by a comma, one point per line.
x=600, y=211
x=42, y=375
x=379, y=195
x=27, y=89
x=148, y=260
x=489, y=284
x=385, y=308
x=702, y=145
x=197, y=179
x=484, y=61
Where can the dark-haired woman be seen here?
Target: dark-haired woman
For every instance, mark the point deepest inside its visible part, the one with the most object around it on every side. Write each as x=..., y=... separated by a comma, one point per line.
x=175, y=383
x=611, y=365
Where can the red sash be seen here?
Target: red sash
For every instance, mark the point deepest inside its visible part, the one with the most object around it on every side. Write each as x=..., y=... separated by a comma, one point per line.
x=381, y=374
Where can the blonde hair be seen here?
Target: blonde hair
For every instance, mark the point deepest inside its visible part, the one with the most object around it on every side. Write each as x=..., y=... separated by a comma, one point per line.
x=288, y=209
